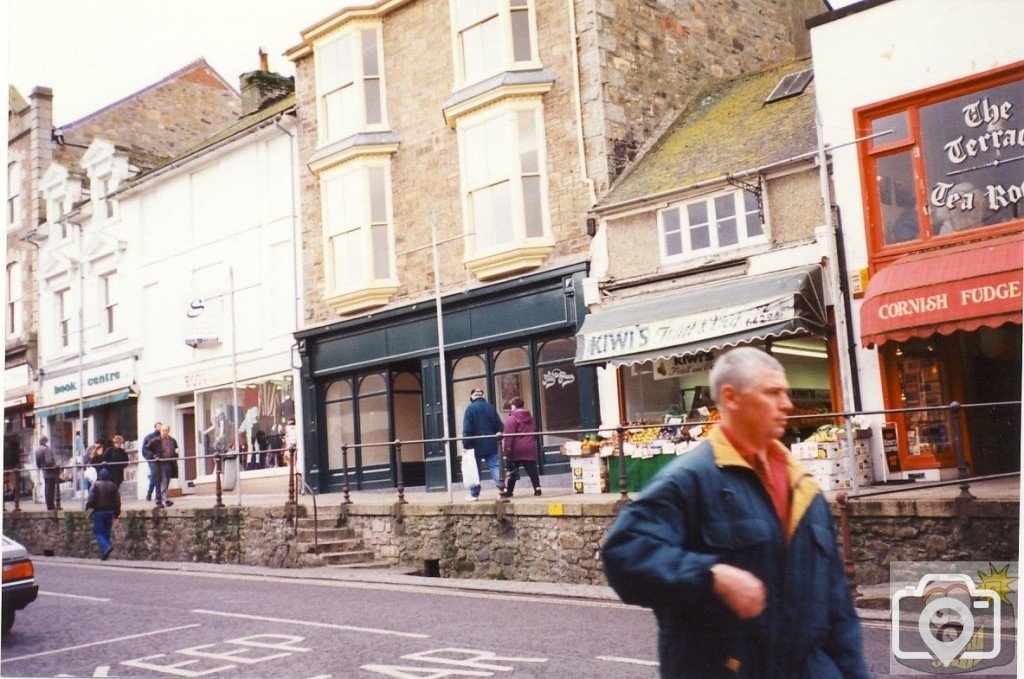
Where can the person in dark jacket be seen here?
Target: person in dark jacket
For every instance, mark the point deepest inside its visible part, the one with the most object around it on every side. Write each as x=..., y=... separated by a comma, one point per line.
x=521, y=450
x=162, y=452
x=46, y=463
x=146, y=440
x=481, y=419
x=733, y=546
x=105, y=503
x=115, y=460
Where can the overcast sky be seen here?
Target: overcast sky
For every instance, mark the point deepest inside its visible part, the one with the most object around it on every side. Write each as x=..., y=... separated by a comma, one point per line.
x=93, y=52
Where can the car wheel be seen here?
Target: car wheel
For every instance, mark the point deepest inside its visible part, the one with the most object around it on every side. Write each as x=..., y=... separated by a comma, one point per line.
x=8, y=621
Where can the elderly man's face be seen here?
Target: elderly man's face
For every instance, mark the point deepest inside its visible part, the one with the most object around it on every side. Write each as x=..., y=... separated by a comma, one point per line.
x=761, y=410
x=165, y=431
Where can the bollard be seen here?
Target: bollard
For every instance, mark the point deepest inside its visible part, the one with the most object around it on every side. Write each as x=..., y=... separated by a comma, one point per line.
x=399, y=474
x=17, y=489
x=291, y=477
x=849, y=566
x=623, y=481
x=344, y=474
x=218, y=471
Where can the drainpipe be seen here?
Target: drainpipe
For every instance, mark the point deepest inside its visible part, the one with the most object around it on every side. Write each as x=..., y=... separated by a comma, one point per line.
x=837, y=273
x=581, y=144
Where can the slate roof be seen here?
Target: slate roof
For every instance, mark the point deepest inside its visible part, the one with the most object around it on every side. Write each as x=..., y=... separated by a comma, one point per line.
x=725, y=128
x=15, y=102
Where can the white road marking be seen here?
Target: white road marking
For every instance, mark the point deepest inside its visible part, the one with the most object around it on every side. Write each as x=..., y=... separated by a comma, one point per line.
x=74, y=596
x=631, y=661
x=390, y=587
x=307, y=623
x=100, y=643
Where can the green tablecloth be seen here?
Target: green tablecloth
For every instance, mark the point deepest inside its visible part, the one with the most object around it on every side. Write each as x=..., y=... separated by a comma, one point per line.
x=638, y=471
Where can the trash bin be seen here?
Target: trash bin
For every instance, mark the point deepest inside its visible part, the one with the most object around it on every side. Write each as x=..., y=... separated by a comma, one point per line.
x=230, y=473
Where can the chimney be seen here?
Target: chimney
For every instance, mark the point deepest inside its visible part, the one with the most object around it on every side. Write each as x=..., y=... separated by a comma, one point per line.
x=262, y=88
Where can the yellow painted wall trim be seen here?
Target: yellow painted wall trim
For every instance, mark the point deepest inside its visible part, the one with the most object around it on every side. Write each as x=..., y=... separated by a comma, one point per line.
x=509, y=261
x=370, y=297
x=494, y=96
x=351, y=153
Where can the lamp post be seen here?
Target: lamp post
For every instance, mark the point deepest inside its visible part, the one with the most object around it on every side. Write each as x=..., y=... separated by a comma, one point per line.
x=81, y=356
x=441, y=357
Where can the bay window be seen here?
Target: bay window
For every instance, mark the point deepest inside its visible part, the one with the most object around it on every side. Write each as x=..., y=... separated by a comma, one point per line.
x=492, y=36
x=350, y=83
x=14, y=285
x=359, y=243
x=504, y=182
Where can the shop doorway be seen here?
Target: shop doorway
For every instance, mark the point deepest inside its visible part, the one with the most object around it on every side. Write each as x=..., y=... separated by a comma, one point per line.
x=992, y=370
x=188, y=444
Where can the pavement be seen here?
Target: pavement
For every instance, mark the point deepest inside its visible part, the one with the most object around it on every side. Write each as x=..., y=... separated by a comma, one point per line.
x=872, y=602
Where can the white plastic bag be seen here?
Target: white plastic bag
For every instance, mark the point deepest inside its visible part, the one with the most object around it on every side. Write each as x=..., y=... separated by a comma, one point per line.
x=470, y=469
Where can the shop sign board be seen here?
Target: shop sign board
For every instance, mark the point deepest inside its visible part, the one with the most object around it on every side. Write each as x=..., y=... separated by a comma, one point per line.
x=683, y=330
x=97, y=380
x=891, y=447
x=17, y=377
x=677, y=366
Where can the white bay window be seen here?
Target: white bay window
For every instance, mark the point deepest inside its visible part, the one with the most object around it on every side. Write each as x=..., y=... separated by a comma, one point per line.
x=350, y=83
x=491, y=36
x=504, y=188
x=359, y=242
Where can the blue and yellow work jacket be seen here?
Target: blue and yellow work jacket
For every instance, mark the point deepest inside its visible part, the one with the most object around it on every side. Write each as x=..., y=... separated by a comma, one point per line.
x=709, y=507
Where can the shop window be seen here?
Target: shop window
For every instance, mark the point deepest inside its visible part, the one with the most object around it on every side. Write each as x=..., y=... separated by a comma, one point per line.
x=511, y=379
x=408, y=409
x=350, y=83
x=710, y=224
x=504, y=188
x=939, y=165
x=374, y=426
x=559, y=390
x=340, y=425
x=492, y=36
x=923, y=383
x=468, y=372
x=14, y=305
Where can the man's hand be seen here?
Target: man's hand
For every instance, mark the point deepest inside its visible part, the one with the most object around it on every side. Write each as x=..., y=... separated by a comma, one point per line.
x=740, y=590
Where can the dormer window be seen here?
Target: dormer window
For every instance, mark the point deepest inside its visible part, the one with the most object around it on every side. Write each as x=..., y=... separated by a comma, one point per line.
x=100, y=189
x=350, y=83
x=491, y=36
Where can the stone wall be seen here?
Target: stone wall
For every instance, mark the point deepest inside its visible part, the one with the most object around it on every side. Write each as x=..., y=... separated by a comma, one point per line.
x=527, y=542
x=254, y=536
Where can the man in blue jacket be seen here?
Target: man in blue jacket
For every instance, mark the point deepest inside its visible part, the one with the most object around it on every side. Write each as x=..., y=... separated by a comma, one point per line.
x=481, y=419
x=733, y=547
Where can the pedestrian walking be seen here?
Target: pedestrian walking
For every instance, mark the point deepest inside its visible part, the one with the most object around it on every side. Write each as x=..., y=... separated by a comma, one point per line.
x=481, y=419
x=47, y=465
x=105, y=502
x=115, y=460
x=520, y=449
x=145, y=443
x=733, y=546
x=162, y=452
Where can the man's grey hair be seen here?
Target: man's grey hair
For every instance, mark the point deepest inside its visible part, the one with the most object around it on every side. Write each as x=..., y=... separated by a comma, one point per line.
x=740, y=368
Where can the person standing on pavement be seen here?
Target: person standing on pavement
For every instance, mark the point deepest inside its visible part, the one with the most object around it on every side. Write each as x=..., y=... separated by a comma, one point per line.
x=145, y=444
x=47, y=465
x=733, y=546
x=481, y=419
x=520, y=449
x=105, y=503
x=163, y=452
x=115, y=460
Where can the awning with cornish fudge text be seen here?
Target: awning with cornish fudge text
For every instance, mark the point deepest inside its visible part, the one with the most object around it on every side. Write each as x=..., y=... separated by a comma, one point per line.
x=963, y=287
x=704, y=318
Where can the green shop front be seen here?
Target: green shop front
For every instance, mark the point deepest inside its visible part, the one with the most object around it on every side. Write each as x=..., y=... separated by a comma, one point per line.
x=374, y=380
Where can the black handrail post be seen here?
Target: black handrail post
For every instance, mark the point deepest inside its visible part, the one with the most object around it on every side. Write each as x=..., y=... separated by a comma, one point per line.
x=291, y=477
x=955, y=422
x=17, y=489
x=502, y=476
x=849, y=565
x=56, y=489
x=398, y=472
x=344, y=475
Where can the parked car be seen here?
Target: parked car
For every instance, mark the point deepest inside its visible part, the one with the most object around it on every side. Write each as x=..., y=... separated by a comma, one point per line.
x=20, y=588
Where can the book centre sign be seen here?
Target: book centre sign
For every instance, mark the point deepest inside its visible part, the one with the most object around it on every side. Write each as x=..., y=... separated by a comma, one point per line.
x=97, y=380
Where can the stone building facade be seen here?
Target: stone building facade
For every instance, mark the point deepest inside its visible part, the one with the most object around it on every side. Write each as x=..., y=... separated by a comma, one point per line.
x=500, y=124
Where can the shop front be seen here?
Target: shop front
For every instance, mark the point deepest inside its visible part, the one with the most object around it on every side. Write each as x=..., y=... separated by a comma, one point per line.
x=19, y=424
x=944, y=197
x=106, y=398
x=374, y=380
x=662, y=349
x=948, y=326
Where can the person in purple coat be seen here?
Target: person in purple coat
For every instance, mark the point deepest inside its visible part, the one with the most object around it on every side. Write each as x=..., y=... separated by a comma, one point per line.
x=521, y=450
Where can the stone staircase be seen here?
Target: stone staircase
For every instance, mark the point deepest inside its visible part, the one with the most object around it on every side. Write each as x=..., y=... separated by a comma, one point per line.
x=334, y=546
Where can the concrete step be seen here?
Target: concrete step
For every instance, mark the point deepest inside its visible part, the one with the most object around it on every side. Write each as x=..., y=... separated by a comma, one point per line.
x=322, y=534
x=332, y=546
x=368, y=565
x=350, y=557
